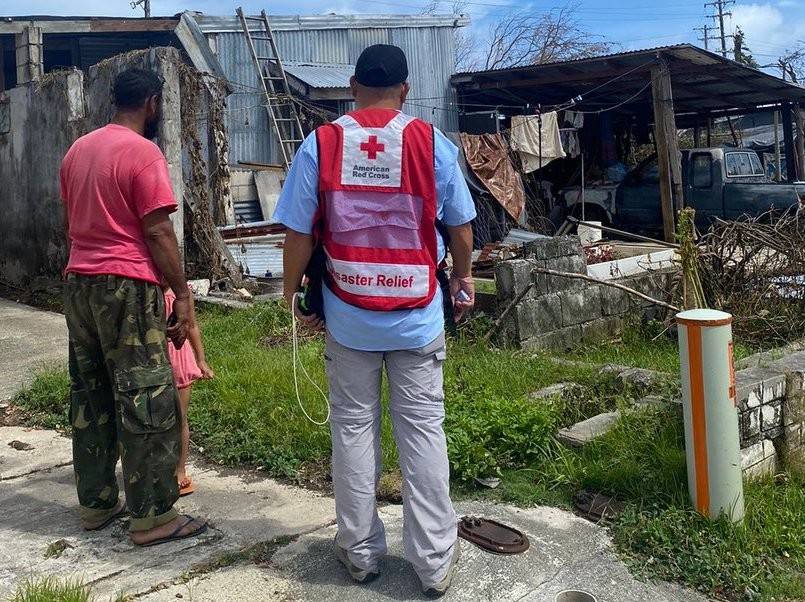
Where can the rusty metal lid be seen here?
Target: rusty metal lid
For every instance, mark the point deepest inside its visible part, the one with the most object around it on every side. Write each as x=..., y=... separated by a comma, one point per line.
x=492, y=536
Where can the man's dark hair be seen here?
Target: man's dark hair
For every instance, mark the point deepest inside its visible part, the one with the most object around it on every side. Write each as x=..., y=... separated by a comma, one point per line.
x=134, y=86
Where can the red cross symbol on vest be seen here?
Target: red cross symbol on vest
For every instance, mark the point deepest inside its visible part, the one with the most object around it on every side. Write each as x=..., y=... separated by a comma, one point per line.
x=371, y=147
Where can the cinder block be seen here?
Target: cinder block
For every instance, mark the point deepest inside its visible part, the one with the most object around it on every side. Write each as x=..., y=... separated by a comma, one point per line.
x=794, y=402
x=792, y=448
x=573, y=264
x=601, y=329
x=759, y=460
x=581, y=306
x=749, y=424
x=551, y=248
x=539, y=316
x=771, y=415
x=756, y=386
x=614, y=301
x=564, y=339
x=511, y=277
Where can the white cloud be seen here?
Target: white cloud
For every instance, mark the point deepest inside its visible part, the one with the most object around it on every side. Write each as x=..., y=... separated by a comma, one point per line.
x=769, y=28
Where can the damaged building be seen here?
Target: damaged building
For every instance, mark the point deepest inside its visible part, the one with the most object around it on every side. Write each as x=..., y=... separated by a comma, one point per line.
x=55, y=79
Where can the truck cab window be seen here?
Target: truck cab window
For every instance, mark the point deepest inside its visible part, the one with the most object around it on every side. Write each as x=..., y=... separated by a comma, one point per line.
x=702, y=171
x=757, y=166
x=739, y=164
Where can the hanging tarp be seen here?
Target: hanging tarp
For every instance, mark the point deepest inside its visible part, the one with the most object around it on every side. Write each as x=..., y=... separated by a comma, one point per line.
x=488, y=157
x=530, y=144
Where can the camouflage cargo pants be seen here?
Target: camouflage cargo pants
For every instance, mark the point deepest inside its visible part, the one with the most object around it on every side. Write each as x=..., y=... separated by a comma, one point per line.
x=123, y=399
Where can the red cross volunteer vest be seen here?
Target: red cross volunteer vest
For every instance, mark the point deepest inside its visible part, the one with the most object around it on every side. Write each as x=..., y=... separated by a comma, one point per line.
x=377, y=209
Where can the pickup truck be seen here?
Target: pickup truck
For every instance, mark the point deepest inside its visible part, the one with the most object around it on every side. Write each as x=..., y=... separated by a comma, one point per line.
x=726, y=183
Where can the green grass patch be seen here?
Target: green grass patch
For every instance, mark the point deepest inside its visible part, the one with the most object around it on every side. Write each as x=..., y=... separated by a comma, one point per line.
x=646, y=345
x=761, y=559
x=46, y=401
x=249, y=415
x=50, y=589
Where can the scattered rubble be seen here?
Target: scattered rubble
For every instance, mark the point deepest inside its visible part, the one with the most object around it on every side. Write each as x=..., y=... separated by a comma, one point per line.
x=563, y=390
x=588, y=430
x=200, y=287
x=640, y=378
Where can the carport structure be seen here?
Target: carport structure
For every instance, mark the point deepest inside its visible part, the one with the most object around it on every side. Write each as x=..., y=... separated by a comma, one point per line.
x=670, y=87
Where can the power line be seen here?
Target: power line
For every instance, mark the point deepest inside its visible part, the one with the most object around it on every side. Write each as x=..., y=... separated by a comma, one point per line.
x=719, y=6
x=706, y=37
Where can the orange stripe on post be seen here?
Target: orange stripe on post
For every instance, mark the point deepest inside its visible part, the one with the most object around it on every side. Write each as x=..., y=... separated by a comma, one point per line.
x=699, y=421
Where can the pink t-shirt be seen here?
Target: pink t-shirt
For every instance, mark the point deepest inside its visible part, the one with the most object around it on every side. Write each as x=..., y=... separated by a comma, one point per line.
x=110, y=179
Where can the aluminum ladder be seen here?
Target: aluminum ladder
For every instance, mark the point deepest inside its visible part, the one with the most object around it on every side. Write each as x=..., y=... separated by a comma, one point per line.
x=280, y=107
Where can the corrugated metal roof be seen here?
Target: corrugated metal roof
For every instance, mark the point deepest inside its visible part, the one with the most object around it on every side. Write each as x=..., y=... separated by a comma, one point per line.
x=431, y=62
x=215, y=24
x=703, y=82
x=625, y=53
x=261, y=259
x=321, y=75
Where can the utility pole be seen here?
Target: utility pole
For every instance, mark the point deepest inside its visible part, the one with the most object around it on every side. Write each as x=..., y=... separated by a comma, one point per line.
x=719, y=6
x=146, y=4
x=706, y=37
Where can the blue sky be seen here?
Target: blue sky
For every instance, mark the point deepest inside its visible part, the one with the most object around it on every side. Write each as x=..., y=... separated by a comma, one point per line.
x=771, y=26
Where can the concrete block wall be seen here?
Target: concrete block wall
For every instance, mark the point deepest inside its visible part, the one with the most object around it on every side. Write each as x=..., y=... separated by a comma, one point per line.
x=47, y=116
x=771, y=416
x=560, y=312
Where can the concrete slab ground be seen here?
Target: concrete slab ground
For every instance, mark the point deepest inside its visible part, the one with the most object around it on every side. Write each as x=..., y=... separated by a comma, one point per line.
x=40, y=533
x=29, y=339
x=566, y=553
x=39, y=509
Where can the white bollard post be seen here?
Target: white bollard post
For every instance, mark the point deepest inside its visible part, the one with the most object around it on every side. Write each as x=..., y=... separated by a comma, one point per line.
x=712, y=443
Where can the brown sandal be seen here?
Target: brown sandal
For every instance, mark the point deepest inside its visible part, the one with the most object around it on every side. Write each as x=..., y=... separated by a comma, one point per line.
x=175, y=535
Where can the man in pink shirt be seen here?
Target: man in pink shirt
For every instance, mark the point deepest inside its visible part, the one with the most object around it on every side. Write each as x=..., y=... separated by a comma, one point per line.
x=118, y=199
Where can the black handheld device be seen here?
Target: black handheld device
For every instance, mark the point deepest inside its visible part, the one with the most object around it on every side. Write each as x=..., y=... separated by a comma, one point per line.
x=312, y=299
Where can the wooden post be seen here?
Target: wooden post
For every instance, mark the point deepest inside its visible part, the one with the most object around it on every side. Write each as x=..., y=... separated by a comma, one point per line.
x=778, y=164
x=799, y=141
x=788, y=143
x=709, y=132
x=668, y=157
x=29, y=55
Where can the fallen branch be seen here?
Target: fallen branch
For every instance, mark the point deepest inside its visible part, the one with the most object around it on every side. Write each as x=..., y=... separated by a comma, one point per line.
x=507, y=311
x=631, y=291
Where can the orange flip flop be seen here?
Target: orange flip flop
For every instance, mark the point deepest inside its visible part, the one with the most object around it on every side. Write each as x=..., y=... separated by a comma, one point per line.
x=187, y=489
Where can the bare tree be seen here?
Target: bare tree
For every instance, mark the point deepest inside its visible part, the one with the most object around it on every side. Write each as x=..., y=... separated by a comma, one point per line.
x=523, y=39
x=465, y=43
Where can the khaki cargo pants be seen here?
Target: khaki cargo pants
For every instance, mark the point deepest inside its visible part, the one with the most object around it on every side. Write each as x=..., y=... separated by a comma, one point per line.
x=416, y=406
x=123, y=399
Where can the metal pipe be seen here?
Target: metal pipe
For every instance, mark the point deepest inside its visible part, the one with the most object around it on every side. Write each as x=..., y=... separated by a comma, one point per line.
x=583, y=216
x=712, y=443
x=670, y=245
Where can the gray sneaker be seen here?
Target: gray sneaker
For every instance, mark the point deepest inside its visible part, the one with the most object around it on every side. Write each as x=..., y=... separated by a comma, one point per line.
x=438, y=590
x=359, y=575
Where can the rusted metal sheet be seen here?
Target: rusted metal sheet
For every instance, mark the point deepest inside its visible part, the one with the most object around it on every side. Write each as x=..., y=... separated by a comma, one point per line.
x=488, y=156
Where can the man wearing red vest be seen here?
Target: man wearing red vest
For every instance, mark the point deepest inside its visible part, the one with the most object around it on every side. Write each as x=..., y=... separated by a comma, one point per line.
x=369, y=189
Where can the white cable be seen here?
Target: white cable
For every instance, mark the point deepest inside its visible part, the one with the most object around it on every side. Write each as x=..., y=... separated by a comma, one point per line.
x=295, y=345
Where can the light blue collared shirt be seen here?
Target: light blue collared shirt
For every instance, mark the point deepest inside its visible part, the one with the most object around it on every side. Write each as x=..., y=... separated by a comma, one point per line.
x=363, y=329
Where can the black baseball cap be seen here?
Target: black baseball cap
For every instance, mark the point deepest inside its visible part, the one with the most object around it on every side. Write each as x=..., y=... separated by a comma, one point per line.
x=380, y=66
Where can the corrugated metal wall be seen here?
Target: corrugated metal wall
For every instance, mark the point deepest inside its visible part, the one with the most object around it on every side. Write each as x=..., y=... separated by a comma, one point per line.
x=431, y=61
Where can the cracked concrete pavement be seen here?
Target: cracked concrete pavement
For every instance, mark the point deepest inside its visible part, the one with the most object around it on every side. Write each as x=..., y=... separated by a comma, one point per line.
x=38, y=504
x=29, y=339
